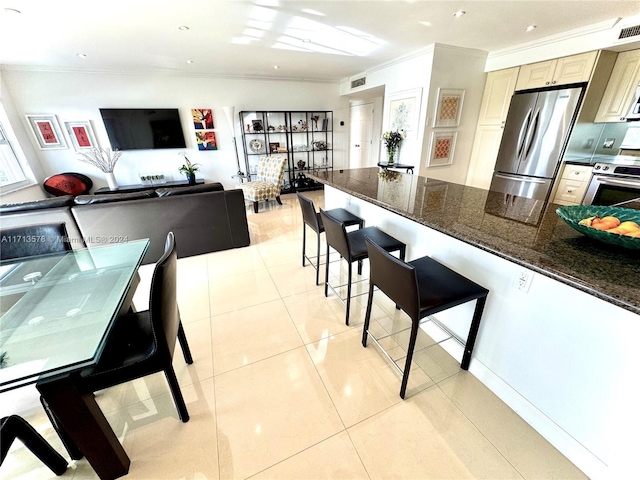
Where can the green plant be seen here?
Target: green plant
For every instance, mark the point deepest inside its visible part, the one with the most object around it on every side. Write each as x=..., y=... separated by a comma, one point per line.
x=188, y=168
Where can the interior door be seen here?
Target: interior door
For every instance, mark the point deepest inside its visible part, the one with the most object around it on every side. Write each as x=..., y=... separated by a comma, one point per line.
x=361, y=133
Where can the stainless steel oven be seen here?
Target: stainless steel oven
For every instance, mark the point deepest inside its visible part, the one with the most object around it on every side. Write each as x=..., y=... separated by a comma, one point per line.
x=613, y=184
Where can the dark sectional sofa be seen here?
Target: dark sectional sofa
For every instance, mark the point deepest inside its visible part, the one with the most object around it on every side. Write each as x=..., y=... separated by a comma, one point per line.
x=204, y=218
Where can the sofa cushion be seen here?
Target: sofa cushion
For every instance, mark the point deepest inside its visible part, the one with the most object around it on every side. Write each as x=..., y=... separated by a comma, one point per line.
x=205, y=187
x=56, y=202
x=112, y=197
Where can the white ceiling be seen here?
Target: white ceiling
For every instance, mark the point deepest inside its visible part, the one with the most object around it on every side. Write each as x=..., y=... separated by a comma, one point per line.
x=247, y=38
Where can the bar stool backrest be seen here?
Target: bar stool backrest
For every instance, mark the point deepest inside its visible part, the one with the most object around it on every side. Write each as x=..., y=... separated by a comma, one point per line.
x=309, y=215
x=336, y=235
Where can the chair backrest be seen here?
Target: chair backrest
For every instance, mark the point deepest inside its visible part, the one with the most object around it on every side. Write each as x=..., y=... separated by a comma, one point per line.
x=336, y=234
x=396, y=278
x=271, y=169
x=33, y=240
x=309, y=214
x=163, y=300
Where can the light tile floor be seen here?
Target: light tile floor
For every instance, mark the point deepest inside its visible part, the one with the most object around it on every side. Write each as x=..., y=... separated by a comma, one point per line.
x=282, y=388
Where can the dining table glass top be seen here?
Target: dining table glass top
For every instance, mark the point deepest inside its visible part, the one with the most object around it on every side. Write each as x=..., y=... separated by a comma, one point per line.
x=57, y=310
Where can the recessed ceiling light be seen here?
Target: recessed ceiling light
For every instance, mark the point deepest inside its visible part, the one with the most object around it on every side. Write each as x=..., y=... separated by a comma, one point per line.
x=189, y=62
x=183, y=27
x=12, y=10
x=81, y=55
x=276, y=67
x=531, y=27
x=306, y=40
x=459, y=13
x=426, y=24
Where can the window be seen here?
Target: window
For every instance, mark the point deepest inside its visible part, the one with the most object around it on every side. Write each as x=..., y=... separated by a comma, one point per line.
x=12, y=172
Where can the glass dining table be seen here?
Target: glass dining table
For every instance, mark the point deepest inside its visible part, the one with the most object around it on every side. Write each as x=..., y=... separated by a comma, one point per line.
x=56, y=313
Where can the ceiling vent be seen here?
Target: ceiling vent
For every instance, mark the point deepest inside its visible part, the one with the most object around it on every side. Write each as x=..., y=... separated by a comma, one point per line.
x=358, y=82
x=629, y=32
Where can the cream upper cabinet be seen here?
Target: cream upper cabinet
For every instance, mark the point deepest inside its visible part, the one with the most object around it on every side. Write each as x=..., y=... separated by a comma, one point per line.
x=621, y=87
x=497, y=96
x=561, y=71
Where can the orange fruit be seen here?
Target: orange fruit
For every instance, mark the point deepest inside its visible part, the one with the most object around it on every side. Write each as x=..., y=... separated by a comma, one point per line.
x=611, y=219
x=635, y=234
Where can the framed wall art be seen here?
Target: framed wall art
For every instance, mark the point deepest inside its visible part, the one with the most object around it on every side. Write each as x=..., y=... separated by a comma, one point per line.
x=403, y=109
x=206, y=140
x=81, y=135
x=442, y=148
x=273, y=147
x=47, y=131
x=202, y=118
x=449, y=107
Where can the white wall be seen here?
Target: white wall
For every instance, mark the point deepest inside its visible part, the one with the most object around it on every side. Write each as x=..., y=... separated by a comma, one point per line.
x=76, y=96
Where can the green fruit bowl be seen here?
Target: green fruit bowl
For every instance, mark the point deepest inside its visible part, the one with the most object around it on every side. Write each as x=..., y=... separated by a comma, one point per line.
x=572, y=214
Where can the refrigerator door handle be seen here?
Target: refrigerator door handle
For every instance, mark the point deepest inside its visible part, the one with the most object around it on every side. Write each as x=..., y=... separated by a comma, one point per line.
x=523, y=132
x=520, y=179
x=531, y=134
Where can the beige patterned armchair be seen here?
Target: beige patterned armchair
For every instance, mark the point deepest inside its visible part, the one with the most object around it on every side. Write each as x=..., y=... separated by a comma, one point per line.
x=267, y=183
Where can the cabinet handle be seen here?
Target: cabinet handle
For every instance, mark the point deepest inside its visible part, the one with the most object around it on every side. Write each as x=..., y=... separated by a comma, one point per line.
x=576, y=173
x=623, y=118
x=546, y=83
x=553, y=83
x=569, y=190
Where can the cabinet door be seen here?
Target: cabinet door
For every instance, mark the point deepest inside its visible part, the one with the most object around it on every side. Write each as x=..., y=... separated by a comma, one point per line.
x=497, y=95
x=536, y=75
x=570, y=192
x=620, y=89
x=483, y=156
x=574, y=69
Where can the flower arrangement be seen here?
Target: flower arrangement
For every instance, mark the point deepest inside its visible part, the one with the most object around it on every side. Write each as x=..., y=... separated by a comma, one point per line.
x=188, y=168
x=103, y=158
x=392, y=141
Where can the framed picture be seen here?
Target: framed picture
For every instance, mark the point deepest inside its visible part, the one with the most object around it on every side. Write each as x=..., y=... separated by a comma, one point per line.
x=273, y=147
x=449, y=108
x=442, y=148
x=403, y=109
x=257, y=125
x=202, y=118
x=47, y=131
x=81, y=135
x=206, y=140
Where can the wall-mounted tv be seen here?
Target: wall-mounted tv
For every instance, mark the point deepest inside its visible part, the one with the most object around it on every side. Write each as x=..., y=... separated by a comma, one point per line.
x=143, y=128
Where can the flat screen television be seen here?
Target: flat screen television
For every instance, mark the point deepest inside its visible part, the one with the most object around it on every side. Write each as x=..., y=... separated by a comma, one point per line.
x=143, y=128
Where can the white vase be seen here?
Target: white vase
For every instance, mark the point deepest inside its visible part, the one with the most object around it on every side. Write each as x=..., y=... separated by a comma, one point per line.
x=111, y=181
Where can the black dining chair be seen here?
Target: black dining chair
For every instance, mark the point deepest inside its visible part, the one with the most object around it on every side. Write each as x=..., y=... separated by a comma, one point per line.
x=33, y=240
x=15, y=427
x=420, y=288
x=312, y=219
x=351, y=246
x=143, y=343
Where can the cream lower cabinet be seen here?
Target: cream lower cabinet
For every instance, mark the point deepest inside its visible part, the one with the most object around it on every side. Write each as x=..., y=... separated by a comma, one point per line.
x=573, y=184
x=622, y=85
x=484, y=155
x=561, y=71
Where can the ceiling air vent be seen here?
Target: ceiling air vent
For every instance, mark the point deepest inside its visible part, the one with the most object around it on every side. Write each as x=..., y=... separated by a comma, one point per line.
x=629, y=32
x=358, y=82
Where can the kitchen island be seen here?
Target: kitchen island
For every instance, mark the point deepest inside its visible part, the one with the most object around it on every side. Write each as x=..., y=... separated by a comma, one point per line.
x=558, y=347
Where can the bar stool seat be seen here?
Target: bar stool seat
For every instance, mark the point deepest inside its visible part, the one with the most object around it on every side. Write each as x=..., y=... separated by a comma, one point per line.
x=312, y=218
x=420, y=288
x=352, y=247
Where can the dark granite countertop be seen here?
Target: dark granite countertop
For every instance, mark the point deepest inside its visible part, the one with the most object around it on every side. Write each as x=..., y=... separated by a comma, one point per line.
x=524, y=231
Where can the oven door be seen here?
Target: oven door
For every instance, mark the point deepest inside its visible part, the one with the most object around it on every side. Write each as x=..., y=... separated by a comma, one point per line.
x=611, y=190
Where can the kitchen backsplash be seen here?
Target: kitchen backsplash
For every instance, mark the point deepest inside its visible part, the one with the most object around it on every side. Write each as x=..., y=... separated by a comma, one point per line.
x=591, y=142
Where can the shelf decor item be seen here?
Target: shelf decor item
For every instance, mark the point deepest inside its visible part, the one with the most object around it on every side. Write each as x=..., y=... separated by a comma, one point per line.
x=392, y=141
x=105, y=159
x=573, y=214
x=189, y=169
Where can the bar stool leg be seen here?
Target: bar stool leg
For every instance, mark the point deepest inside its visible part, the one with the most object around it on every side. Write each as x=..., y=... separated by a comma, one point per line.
x=367, y=317
x=473, y=332
x=407, y=365
x=348, y=294
x=304, y=241
x=318, y=261
x=326, y=274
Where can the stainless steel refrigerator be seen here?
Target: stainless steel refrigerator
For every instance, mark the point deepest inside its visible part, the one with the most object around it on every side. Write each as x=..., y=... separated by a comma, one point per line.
x=535, y=134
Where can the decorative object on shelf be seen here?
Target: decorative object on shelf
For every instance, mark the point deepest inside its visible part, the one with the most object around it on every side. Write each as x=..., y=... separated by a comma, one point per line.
x=68, y=183
x=257, y=126
x=302, y=181
x=189, y=169
x=315, y=119
x=320, y=145
x=294, y=128
x=256, y=145
x=301, y=164
x=202, y=118
x=403, y=108
x=300, y=148
x=47, y=131
x=392, y=141
x=281, y=150
x=449, y=107
x=105, y=159
x=442, y=148
x=574, y=214
x=206, y=140
x=152, y=178
x=303, y=125
x=271, y=128
x=81, y=135
x=248, y=128
x=273, y=147
x=282, y=128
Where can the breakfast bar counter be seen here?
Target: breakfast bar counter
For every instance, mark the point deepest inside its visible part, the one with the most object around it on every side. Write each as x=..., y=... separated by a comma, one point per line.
x=526, y=232
x=559, y=333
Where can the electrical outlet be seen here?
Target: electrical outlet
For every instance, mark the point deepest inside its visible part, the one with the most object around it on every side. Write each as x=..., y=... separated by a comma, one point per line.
x=523, y=280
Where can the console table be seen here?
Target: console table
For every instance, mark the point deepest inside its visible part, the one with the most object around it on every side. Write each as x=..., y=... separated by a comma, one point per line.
x=385, y=166
x=140, y=187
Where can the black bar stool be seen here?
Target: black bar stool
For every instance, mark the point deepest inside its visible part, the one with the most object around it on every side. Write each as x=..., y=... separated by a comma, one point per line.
x=352, y=247
x=420, y=288
x=312, y=218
